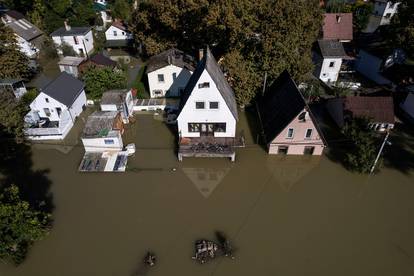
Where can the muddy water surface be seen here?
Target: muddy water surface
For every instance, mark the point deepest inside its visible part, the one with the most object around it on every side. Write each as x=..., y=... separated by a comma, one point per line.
x=285, y=216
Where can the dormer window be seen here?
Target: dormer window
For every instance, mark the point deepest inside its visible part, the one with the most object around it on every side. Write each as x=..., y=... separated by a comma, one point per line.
x=204, y=85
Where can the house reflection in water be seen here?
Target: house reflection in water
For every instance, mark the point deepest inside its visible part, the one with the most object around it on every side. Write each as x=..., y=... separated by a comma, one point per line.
x=289, y=170
x=206, y=180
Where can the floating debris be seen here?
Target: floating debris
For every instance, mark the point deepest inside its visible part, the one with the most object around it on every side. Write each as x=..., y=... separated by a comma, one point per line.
x=205, y=250
x=150, y=259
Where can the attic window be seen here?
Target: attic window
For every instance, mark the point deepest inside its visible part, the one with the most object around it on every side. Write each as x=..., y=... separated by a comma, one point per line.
x=47, y=100
x=199, y=105
x=302, y=117
x=204, y=85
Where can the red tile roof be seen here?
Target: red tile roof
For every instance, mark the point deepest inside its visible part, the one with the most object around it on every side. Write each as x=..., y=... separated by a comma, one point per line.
x=338, y=26
x=120, y=25
x=379, y=109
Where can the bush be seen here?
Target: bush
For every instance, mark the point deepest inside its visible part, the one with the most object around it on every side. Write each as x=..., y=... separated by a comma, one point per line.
x=67, y=50
x=139, y=85
x=98, y=80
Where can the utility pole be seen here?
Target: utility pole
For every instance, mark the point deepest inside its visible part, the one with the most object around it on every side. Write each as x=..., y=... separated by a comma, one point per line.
x=379, y=153
x=264, y=84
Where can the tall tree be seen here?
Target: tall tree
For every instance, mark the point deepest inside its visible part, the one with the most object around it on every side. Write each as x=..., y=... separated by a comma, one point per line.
x=37, y=13
x=250, y=38
x=402, y=33
x=20, y=225
x=11, y=114
x=13, y=63
x=121, y=9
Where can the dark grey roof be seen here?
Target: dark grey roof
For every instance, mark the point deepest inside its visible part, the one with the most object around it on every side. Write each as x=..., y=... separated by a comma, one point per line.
x=101, y=59
x=114, y=96
x=72, y=31
x=15, y=14
x=210, y=64
x=25, y=29
x=280, y=105
x=331, y=48
x=172, y=56
x=65, y=89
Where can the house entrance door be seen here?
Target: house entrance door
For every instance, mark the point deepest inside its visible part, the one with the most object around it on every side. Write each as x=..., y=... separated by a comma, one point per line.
x=206, y=129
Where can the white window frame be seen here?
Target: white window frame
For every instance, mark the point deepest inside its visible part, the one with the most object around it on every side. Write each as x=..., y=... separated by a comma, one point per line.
x=293, y=133
x=218, y=105
x=306, y=132
x=195, y=105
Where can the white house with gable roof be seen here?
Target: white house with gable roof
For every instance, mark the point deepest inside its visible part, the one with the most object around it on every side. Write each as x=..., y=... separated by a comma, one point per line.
x=79, y=38
x=208, y=113
x=169, y=72
x=53, y=112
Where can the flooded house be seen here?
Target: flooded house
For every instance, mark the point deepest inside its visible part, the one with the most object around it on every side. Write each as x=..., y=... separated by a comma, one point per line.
x=288, y=125
x=54, y=111
x=208, y=113
x=327, y=57
x=379, y=110
x=102, y=140
x=168, y=73
x=118, y=100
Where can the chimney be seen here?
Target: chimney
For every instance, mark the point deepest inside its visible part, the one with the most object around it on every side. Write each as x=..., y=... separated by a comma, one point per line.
x=67, y=27
x=200, y=54
x=338, y=19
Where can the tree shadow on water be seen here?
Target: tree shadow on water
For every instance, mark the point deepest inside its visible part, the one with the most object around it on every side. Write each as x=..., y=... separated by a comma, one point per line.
x=16, y=167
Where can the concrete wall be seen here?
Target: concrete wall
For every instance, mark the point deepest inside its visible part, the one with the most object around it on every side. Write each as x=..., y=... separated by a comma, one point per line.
x=114, y=33
x=101, y=144
x=189, y=113
x=298, y=142
x=84, y=42
x=171, y=83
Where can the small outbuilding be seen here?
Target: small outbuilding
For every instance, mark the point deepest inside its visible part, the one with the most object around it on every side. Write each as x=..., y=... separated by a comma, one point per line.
x=118, y=100
x=70, y=65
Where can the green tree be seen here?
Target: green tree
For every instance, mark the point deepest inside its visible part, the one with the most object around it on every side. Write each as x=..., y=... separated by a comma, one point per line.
x=37, y=13
x=20, y=225
x=82, y=13
x=13, y=63
x=364, y=145
x=250, y=37
x=402, y=27
x=12, y=113
x=67, y=50
x=98, y=80
x=121, y=9
x=312, y=90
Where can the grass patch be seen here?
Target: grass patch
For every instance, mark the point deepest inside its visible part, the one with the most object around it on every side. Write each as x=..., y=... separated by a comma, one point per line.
x=139, y=85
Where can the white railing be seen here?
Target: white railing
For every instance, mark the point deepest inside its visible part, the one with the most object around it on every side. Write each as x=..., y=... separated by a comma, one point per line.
x=65, y=124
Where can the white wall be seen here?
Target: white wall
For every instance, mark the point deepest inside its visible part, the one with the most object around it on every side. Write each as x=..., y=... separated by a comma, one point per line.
x=39, y=104
x=83, y=41
x=77, y=107
x=73, y=70
x=189, y=113
x=330, y=74
x=109, y=107
x=99, y=145
x=385, y=10
x=114, y=33
x=174, y=85
x=26, y=47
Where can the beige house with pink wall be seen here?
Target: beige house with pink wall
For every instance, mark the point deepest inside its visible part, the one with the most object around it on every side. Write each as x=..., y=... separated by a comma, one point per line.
x=288, y=125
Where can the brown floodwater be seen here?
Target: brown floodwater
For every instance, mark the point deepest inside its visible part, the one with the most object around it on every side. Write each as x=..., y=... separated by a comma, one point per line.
x=284, y=215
